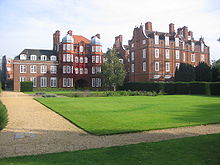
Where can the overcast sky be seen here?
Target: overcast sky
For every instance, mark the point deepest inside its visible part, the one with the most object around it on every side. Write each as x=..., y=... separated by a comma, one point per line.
x=31, y=23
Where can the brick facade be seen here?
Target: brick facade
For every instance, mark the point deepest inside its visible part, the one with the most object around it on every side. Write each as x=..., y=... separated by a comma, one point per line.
x=73, y=63
x=154, y=56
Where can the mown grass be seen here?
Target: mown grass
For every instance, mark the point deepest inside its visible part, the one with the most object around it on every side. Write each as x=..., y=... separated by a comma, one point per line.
x=111, y=115
x=201, y=150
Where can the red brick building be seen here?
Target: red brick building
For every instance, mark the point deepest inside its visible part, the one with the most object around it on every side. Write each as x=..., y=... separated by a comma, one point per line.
x=74, y=62
x=154, y=56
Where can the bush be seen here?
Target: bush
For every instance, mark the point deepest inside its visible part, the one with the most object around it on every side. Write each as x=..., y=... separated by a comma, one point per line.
x=142, y=86
x=3, y=116
x=26, y=86
x=169, y=88
x=182, y=88
x=215, y=88
x=0, y=87
x=197, y=88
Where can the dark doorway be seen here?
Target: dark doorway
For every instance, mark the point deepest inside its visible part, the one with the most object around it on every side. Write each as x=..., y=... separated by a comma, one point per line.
x=81, y=83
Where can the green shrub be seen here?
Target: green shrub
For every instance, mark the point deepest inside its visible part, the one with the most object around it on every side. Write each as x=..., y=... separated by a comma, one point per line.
x=215, y=88
x=197, y=88
x=143, y=86
x=3, y=116
x=0, y=87
x=169, y=88
x=26, y=86
x=182, y=88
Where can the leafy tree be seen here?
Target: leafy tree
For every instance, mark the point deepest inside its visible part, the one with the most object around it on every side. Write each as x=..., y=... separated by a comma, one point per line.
x=113, y=71
x=203, y=72
x=216, y=71
x=185, y=73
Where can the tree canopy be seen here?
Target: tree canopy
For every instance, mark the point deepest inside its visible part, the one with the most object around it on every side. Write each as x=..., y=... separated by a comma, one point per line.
x=203, y=72
x=185, y=73
x=113, y=71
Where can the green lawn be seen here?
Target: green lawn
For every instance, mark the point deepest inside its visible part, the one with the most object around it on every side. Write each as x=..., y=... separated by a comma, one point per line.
x=201, y=150
x=110, y=115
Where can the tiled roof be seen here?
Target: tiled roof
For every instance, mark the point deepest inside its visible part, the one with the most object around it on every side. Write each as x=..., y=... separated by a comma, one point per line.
x=37, y=52
x=78, y=38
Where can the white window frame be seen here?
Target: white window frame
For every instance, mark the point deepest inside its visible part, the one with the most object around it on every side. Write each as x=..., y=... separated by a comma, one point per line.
x=193, y=46
x=81, y=60
x=53, y=58
x=68, y=69
x=202, y=47
x=93, y=70
x=132, y=56
x=23, y=57
x=53, y=69
x=97, y=59
x=64, y=69
x=68, y=46
x=23, y=69
x=177, y=52
x=53, y=82
x=33, y=69
x=184, y=57
x=33, y=57
x=76, y=59
x=64, y=57
x=156, y=39
x=167, y=65
x=64, y=82
x=93, y=82
x=132, y=45
x=86, y=60
x=157, y=66
x=76, y=70
x=43, y=82
x=93, y=59
x=81, y=71
x=34, y=80
x=144, y=67
x=177, y=43
x=177, y=65
x=81, y=49
x=68, y=57
x=167, y=41
x=132, y=68
x=43, y=69
x=22, y=79
x=202, y=57
x=43, y=58
x=193, y=58
x=143, y=42
x=85, y=70
x=144, y=53
x=167, y=53
x=157, y=53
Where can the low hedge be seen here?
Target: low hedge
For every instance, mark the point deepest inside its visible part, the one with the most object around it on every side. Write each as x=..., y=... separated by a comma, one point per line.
x=3, y=116
x=26, y=86
x=215, y=88
x=208, y=88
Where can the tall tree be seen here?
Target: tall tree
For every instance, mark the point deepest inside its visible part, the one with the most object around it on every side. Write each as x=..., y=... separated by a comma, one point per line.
x=203, y=72
x=113, y=71
x=216, y=71
x=185, y=73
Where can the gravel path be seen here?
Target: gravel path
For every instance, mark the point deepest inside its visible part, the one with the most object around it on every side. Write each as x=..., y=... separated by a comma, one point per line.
x=34, y=129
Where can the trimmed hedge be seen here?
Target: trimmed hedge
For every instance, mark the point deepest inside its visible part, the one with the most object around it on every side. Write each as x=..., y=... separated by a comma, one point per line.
x=3, y=116
x=215, y=88
x=26, y=86
x=208, y=88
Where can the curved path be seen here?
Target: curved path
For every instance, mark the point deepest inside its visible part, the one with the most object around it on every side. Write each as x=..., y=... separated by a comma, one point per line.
x=34, y=129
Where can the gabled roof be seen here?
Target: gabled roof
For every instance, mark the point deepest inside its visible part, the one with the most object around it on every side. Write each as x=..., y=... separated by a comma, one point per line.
x=37, y=52
x=78, y=38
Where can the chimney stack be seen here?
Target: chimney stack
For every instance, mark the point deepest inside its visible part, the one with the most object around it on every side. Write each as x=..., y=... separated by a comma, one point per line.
x=56, y=40
x=185, y=32
x=70, y=32
x=190, y=33
x=171, y=28
x=98, y=35
x=118, y=41
x=148, y=26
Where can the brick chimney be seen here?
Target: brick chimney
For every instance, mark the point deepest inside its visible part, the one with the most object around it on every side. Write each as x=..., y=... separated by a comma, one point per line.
x=98, y=35
x=185, y=32
x=70, y=32
x=148, y=26
x=190, y=33
x=118, y=41
x=56, y=40
x=171, y=28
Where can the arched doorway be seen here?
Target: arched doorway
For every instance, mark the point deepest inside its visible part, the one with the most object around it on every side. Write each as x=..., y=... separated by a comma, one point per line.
x=81, y=83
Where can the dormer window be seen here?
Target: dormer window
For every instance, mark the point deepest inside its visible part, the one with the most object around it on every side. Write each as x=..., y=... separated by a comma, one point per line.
x=156, y=39
x=177, y=43
x=33, y=57
x=43, y=57
x=68, y=46
x=167, y=41
x=80, y=49
x=202, y=47
x=53, y=58
x=23, y=57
